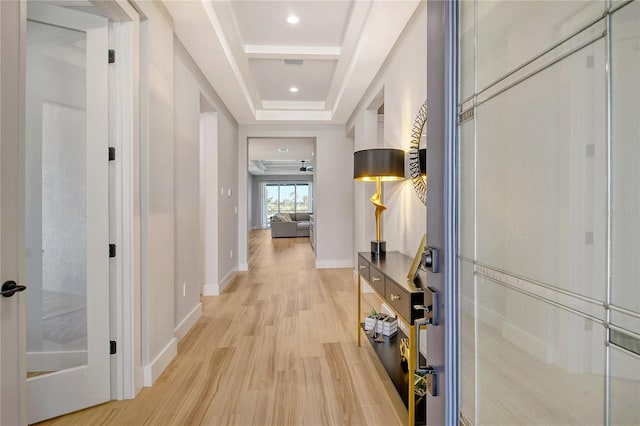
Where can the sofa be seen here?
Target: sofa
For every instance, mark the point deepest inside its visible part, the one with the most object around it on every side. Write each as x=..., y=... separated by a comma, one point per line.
x=286, y=225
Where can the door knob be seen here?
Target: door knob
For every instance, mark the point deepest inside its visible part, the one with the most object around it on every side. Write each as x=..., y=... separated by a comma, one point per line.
x=9, y=288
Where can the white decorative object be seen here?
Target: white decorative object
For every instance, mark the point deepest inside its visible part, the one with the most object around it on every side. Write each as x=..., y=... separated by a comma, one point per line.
x=384, y=324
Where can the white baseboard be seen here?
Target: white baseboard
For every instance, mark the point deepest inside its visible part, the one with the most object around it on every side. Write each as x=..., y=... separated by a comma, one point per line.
x=151, y=372
x=244, y=267
x=227, y=279
x=214, y=289
x=334, y=264
x=211, y=289
x=55, y=360
x=188, y=322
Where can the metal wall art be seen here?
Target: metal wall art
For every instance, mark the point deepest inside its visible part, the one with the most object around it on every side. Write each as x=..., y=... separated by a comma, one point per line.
x=418, y=173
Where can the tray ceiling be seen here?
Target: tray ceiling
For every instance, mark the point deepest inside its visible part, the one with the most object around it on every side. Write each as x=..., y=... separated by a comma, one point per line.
x=252, y=56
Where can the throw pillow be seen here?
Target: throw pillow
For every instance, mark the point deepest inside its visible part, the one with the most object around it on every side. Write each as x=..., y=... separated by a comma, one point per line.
x=284, y=217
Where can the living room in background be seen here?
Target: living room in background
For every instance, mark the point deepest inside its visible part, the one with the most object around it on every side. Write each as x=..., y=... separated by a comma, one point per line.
x=286, y=197
x=281, y=170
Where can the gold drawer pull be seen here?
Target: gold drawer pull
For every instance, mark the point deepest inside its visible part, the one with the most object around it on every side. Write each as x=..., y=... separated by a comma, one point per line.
x=394, y=297
x=376, y=279
x=363, y=266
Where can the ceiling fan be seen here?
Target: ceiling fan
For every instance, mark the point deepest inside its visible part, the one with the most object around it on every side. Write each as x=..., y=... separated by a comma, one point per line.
x=304, y=168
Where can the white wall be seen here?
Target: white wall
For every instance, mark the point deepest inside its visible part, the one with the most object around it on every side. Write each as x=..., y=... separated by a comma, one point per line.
x=209, y=197
x=174, y=94
x=402, y=79
x=251, y=196
x=187, y=191
x=195, y=96
x=333, y=189
x=157, y=191
x=228, y=203
x=200, y=105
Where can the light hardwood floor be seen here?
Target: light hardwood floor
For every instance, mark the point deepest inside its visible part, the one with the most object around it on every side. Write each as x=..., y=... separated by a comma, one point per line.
x=278, y=347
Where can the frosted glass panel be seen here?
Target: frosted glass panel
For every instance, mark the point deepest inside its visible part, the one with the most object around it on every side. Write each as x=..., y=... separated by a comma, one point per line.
x=534, y=213
x=536, y=364
x=627, y=322
x=512, y=32
x=467, y=46
x=467, y=340
x=541, y=176
x=625, y=214
x=466, y=192
x=56, y=199
x=625, y=388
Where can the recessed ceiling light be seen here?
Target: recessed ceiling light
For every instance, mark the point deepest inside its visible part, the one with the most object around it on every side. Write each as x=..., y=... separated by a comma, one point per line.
x=293, y=19
x=293, y=89
x=283, y=149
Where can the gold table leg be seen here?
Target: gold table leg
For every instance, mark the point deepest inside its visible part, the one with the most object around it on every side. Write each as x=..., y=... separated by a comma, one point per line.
x=412, y=368
x=359, y=309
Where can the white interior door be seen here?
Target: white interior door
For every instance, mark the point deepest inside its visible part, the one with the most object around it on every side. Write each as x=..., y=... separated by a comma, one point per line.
x=67, y=256
x=12, y=371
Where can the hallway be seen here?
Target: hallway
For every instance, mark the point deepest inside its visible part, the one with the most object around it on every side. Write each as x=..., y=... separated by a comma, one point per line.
x=278, y=347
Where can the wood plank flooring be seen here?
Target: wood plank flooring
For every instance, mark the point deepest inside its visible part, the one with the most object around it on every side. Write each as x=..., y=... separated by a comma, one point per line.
x=278, y=347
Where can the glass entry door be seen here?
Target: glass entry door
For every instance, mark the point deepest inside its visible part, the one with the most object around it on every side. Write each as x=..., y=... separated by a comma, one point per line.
x=67, y=256
x=549, y=212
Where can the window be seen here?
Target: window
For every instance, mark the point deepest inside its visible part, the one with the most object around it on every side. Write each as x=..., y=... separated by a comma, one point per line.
x=272, y=200
x=302, y=198
x=287, y=198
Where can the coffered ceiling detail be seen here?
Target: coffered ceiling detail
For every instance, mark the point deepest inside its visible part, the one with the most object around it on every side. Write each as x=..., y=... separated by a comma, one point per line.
x=253, y=57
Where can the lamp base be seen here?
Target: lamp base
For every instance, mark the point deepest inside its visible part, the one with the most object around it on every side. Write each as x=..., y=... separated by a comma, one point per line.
x=378, y=248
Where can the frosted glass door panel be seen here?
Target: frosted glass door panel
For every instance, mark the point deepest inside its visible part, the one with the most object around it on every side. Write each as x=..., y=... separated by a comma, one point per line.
x=64, y=230
x=467, y=45
x=625, y=388
x=549, y=308
x=628, y=322
x=541, y=176
x=56, y=202
x=466, y=192
x=467, y=326
x=625, y=213
x=512, y=32
x=536, y=364
x=67, y=205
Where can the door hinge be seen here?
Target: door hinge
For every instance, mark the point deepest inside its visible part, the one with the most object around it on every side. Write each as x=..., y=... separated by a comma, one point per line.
x=112, y=56
x=112, y=250
x=112, y=153
x=112, y=347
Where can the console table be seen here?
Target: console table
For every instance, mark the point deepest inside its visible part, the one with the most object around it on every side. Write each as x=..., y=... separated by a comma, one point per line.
x=388, y=277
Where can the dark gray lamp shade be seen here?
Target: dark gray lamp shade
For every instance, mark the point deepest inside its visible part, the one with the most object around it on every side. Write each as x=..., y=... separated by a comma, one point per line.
x=384, y=163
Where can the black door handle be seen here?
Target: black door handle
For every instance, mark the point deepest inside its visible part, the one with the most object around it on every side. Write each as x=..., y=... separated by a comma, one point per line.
x=9, y=288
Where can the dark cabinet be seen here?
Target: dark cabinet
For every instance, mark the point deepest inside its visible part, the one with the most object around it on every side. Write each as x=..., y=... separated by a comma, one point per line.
x=388, y=277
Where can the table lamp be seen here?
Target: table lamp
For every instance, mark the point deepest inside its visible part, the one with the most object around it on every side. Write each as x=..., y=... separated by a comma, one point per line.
x=378, y=165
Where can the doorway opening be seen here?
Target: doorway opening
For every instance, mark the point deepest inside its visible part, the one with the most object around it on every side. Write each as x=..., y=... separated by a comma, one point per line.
x=281, y=187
